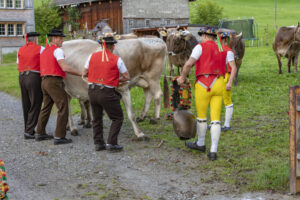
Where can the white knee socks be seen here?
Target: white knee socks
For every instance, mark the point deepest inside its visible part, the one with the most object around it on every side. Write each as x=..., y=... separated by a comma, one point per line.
x=215, y=132
x=228, y=115
x=201, y=130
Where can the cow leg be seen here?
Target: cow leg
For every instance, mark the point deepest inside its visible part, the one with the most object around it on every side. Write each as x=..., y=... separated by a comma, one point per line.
x=289, y=63
x=88, y=119
x=73, y=128
x=83, y=113
x=296, y=63
x=127, y=103
x=148, y=99
x=279, y=63
x=156, y=94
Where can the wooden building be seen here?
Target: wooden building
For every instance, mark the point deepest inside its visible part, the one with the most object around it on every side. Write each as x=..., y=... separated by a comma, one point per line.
x=125, y=15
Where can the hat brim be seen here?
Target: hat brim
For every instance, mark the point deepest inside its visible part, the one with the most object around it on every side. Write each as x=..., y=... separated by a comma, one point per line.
x=56, y=35
x=201, y=33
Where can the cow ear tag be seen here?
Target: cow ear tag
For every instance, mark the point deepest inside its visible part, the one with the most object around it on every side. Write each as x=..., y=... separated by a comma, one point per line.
x=187, y=37
x=163, y=33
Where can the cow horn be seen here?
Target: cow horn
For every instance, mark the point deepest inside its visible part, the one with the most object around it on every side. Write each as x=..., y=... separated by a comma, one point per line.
x=239, y=35
x=178, y=27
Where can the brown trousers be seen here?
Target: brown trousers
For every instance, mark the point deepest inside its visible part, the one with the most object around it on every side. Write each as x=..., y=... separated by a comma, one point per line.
x=53, y=91
x=106, y=99
x=32, y=97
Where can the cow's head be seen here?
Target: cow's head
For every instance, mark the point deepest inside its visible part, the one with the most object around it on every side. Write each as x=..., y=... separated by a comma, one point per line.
x=297, y=32
x=237, y=45
x=177, y=41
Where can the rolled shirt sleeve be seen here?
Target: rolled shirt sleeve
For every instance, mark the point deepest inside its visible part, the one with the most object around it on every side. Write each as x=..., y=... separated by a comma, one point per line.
x=59, y=54
x=197, y=51
x=121, y=66
x=87, y=63
x=229, y=57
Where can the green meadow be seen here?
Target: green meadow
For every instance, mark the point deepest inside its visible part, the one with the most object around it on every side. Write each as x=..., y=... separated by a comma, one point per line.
x=254, y=154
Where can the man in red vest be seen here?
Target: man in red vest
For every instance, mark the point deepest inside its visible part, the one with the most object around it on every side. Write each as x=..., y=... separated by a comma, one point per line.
x=103, y=69
x=227, y=93
x=53, y=71
x=28, y=61
x=209, y=59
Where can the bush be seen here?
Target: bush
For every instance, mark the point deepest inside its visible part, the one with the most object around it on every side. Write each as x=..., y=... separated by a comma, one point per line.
x=205, y=12
x=46, y=18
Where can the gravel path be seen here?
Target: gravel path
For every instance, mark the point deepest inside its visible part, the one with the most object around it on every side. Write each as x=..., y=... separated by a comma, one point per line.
x=42, y=171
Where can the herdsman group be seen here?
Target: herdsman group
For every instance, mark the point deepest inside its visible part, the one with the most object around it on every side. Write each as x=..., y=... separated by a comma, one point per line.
x=42, y=72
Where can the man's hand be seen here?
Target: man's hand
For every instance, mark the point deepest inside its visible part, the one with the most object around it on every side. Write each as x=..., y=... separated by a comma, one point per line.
x=229, y=85
x=180, y=80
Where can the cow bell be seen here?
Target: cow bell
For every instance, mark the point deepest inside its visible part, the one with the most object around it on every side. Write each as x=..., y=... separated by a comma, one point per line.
x=184, y=124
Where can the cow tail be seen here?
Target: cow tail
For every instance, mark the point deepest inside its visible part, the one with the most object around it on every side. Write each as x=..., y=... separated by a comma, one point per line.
x=166, y=87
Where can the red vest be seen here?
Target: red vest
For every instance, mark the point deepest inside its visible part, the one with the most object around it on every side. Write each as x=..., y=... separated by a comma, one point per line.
x=210, y=61
x=105, y=73
x=29, y=57
x=228, y=68
x=49, y=64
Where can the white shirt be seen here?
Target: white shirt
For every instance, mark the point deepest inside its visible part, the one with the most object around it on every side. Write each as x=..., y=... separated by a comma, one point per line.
x=42, y=49
x=59, y=54
x=197, y=52
x=121, y=66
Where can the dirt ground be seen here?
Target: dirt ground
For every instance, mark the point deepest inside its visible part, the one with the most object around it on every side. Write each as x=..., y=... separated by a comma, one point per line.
x=144, y=170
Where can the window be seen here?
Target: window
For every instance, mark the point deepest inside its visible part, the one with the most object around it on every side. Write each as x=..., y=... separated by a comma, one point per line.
x=1, y=3
x=2, y=29
x=18, y=3
x=19, y=29
x=9, y=3
x=147, y=22
x=10, y=29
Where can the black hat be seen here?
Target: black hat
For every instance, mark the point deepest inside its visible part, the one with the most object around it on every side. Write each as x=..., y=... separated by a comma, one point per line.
x=56, y=33
x=33, y=34
x=109, y=40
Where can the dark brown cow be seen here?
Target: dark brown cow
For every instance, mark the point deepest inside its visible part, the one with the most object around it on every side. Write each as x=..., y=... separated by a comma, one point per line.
x=287, y=44
x=180, y=44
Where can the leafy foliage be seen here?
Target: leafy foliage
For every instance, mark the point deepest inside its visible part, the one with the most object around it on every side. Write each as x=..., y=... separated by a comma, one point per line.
x=205, y=12
x=74, y=17
x=46, y=18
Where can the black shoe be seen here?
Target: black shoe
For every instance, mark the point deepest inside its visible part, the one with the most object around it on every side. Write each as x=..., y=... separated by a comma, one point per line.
x=28, y=136
x=193, y=145
x=212, y=156
x=100, y=147
x=225, y=128
x=40, y=137
x=62, y=141
x=114, y=148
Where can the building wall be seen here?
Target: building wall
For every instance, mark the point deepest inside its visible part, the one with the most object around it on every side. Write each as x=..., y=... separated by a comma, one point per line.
x=25, y=16
x=144, y=13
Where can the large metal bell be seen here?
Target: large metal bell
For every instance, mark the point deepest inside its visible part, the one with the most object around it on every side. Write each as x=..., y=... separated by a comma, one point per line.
x=184, y=124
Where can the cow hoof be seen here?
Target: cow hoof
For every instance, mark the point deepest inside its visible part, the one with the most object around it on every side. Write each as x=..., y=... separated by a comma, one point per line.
x=138, y=119
x=87, y=125
x=153, y=121
x=80, y=123
x=74, y=132
x=143, y=138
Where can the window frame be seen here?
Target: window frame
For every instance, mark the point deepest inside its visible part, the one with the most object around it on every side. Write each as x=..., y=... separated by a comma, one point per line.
x=21, y=30
x=3, y=1
x=16, y=4
x=1, y=29
x=12, y=3
x=8, y=30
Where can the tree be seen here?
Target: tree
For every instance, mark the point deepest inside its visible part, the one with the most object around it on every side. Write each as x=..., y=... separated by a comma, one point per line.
x=205, y=12
x=47, y=17
x=74, y=17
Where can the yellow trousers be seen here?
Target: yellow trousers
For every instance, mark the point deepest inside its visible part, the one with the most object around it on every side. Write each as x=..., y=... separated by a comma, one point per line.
x=227, y=93
x=213, y=98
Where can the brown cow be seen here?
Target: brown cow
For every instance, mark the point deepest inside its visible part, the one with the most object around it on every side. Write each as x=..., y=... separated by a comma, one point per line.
x=287, y=44
x=180, y=44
